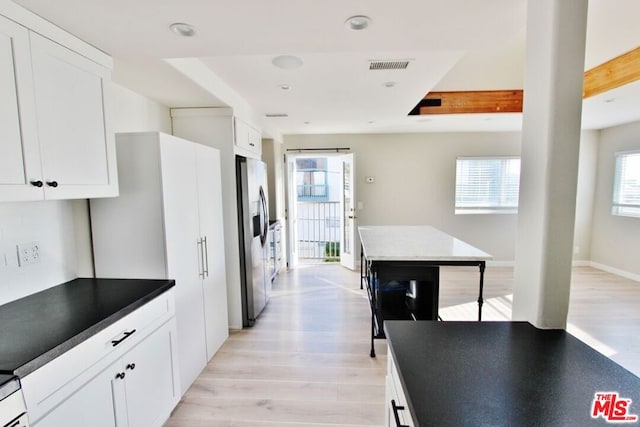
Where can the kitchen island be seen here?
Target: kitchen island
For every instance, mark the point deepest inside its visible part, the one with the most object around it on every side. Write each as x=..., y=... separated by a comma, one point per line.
x=395, y=255
x=501, y=373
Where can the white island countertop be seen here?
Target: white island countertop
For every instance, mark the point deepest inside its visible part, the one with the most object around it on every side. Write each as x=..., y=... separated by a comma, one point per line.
x=415, y=243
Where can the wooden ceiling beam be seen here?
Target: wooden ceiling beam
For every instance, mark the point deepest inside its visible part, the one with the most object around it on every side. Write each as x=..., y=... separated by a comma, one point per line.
x=467, y=102
x=619, y=71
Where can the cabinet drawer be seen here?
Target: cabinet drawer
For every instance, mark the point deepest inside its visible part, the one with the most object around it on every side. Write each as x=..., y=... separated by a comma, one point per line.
x=49, y=385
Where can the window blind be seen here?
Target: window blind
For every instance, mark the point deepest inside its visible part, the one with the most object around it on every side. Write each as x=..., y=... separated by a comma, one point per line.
x=626, y=185
x=487, y=185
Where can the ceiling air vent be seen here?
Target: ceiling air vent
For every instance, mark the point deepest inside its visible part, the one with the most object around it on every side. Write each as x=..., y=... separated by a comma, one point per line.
x=388, y=65
x=276, y=115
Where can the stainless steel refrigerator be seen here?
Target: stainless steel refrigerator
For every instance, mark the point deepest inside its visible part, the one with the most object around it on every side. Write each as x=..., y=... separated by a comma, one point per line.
x=253, y=221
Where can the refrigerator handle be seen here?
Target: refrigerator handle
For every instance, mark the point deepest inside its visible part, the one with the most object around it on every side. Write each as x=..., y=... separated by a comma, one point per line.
x=264, y=216
x=206, y=257
x=201, y=259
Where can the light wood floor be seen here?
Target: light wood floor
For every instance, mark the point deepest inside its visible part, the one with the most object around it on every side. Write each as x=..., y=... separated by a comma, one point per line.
x=306, y=361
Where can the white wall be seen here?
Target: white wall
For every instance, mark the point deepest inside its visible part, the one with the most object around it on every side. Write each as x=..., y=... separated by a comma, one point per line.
x=616, y=239
x=62, y=227
x=585, y=196
x=415, y=181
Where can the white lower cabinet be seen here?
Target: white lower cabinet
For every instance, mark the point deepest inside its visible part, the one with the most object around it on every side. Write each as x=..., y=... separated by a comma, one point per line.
x=126, y=375
x=138, y=390
x=397, y=414
x=147, y=374
x=92, y=405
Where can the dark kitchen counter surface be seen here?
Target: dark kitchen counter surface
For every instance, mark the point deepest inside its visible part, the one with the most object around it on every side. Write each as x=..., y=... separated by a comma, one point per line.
x=502, y=373
x=38, y=328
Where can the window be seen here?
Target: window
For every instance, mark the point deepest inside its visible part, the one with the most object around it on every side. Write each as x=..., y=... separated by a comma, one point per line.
x=626, y=185
x=312, y=179
x=487, y=185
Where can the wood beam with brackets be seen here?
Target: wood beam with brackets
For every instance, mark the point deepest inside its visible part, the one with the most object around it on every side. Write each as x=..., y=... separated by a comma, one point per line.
x=619, y=71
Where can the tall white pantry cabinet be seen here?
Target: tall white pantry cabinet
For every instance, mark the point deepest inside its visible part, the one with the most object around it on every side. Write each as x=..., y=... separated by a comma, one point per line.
x=167, y=223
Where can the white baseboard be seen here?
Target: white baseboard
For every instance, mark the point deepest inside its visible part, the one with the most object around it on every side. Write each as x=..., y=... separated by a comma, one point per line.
x=616, y=271
x=581, y=263
x=500, y=263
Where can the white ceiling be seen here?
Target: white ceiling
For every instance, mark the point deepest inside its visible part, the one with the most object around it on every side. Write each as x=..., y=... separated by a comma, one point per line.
x=452, y=45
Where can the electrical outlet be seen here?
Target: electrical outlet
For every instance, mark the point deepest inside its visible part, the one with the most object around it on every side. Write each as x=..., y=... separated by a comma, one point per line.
x=28, y=253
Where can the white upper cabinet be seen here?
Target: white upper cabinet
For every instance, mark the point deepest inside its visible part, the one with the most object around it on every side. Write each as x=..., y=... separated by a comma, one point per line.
x=246, y=137
x=19, y=152
x=77, y=150
x=54, y=115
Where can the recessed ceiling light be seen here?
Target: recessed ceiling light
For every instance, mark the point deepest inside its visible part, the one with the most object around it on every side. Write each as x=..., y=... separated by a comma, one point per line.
x=371, y=122
x=609, y=100
x=285, y=87
x=357, y=22
x=389, y=84
x=306, y=123
x=423, y=120
x=287, y=62
x=183, y=29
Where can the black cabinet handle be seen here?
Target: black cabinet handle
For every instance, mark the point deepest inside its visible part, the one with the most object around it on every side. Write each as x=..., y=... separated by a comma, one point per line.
x=53, y=184
x=126, y=335
x=37, y=183
x=131, y=366
x=397, y=408
x=120, y=376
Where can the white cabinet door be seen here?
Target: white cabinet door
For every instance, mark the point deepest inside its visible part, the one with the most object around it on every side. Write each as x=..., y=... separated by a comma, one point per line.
x=180, y=206
x=397, y=409
x=92, y=405
x=214, y=286
x=19, y=152
x=76, y=146
x=247, y=138
x=151, y=387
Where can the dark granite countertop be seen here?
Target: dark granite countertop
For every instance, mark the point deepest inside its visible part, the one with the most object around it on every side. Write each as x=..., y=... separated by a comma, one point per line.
x=38, y=328
x=502, y=373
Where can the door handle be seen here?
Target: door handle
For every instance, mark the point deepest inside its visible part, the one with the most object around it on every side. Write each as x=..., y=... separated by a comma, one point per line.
x=205, y=256
x=201, y=263
x=397, y=408
x=352, y=217
x=126, y=335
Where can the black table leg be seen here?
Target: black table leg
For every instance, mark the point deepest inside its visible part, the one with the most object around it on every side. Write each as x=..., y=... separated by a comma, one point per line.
x=373, y=350
x=361, y=266
x=480, y=300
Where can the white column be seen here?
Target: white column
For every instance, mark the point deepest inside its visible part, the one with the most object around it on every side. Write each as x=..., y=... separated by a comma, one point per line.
x=552, y=110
